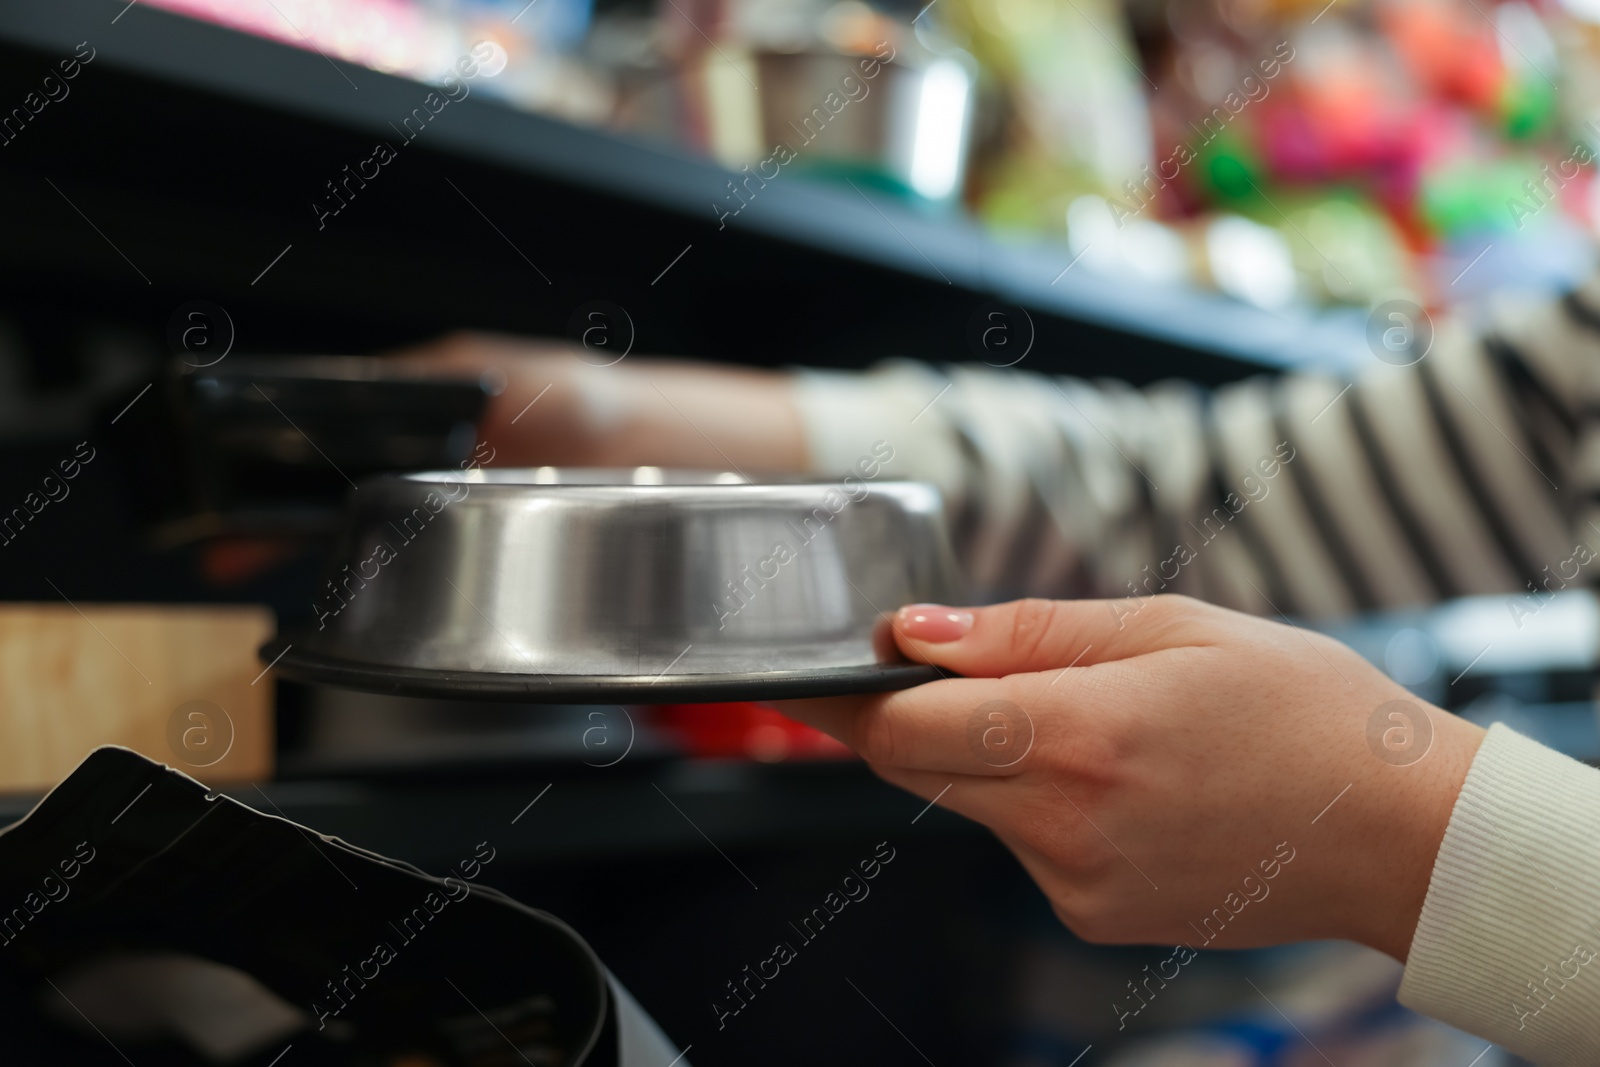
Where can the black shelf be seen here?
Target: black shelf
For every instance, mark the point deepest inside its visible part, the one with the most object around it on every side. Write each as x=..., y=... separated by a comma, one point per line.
x=199, y=150
x=543, y=812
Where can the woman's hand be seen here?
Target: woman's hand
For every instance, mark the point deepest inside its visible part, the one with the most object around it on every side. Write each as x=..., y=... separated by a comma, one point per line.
x=1172, y=772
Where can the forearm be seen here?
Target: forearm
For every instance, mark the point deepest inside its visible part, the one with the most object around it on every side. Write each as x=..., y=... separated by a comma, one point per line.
x=555, y=409
x=651, y=412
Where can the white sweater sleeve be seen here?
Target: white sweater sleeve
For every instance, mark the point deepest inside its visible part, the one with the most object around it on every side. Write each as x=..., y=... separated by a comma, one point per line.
x=1509, y=942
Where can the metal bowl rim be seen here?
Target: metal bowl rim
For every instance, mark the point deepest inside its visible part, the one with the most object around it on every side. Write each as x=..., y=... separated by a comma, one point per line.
x=308, y=666
x=498, y=478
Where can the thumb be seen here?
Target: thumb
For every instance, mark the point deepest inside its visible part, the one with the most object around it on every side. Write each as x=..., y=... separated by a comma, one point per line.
x=1039, y=635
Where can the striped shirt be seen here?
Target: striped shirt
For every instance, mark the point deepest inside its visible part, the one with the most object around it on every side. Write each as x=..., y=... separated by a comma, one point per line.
x=1473, y=471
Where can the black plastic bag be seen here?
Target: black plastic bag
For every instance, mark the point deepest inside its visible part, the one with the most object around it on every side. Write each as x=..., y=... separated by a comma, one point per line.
x=141, y=911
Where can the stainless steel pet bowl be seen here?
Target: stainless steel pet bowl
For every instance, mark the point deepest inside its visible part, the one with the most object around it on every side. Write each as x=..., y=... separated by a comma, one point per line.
x=631, y=586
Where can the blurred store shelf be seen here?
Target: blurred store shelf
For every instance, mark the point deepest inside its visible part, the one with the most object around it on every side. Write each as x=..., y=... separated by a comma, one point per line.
x=865, y=276
x=1529, y=661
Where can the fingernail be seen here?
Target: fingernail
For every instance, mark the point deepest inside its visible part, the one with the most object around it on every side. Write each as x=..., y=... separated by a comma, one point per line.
x=934, y=623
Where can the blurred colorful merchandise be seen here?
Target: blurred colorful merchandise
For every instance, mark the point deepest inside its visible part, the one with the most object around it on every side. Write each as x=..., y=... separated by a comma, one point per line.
x=1455, y=53
x=1284, y=151
x=388, y=35
x=424, y=40
x=1372, y=137
x=1065, y=111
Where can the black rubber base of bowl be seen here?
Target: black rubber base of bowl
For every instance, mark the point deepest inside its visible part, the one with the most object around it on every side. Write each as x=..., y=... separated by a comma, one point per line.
x=310, y=668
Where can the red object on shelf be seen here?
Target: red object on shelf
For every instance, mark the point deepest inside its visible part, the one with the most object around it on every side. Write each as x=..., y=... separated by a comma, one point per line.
x=744, y=730
x=1450, y=49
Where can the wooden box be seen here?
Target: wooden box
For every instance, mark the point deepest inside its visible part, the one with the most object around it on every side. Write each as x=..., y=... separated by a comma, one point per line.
x=177, y=683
